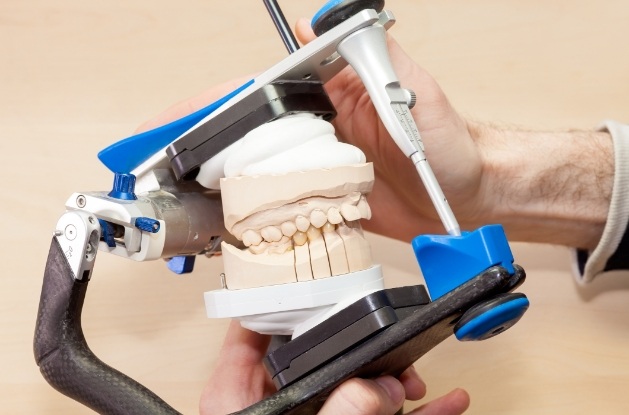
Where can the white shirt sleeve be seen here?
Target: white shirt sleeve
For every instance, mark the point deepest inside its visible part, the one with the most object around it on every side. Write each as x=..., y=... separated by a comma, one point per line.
x=596, y=262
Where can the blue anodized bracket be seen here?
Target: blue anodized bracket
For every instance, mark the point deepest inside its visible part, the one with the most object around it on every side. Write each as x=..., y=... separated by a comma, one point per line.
x=448, y=261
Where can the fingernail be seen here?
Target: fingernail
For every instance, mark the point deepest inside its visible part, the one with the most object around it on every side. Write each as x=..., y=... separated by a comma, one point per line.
x=392, y=387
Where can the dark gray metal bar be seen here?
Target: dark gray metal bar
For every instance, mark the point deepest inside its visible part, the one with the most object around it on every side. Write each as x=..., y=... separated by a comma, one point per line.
x=282, y=26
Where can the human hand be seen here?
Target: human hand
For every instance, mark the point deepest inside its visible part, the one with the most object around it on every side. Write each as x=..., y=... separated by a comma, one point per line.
x=537, y=184
x=400, y=205
x=240, y=380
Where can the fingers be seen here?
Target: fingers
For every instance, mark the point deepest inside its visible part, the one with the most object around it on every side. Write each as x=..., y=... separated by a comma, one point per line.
x=414, y=386
x=382, y=396
x=193, y=104
x=239, y=378
x=303, y=31
x=242, y=347
x=304, y=34
x=453, y=403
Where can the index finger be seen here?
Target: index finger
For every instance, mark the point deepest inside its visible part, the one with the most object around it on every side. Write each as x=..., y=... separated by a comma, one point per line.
x=190, y=105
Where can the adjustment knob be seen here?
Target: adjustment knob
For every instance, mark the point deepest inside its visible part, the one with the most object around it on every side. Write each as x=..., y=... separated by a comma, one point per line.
x=147, y=224
x=124, y=187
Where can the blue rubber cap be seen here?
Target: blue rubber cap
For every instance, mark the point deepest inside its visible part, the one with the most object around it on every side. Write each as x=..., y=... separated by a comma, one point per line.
x=327, y=6
x=448, y=261
x=129, y=153
x=493, y=320
x=181, y=264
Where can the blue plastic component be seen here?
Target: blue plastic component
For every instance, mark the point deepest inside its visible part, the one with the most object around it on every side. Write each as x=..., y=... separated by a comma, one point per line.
x=181, y=264
x=124, y=187
x=129, y=153
x=493, y=321
x=330, y=4
x=448, y=261
x=107, y=233
x=147, y=224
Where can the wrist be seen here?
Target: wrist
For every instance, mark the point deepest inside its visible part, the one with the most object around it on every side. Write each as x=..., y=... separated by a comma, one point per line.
x=552, y=187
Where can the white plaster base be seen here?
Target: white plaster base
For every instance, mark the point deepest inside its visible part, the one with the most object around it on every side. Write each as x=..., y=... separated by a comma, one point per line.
x=291, y=309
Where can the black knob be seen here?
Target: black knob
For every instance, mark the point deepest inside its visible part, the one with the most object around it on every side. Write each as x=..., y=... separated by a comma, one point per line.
x=335, y=12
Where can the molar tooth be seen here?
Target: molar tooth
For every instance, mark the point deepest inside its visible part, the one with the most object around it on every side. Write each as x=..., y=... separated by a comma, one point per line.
x=288, y=228
x=313, y=233
x=260, y=248
x=281, y=246
x=251, y=237
x=328, y=227
x=300, y=238
x=271, y=233
x=318, y=218
x=302, y=223
x=334, y=216
x=364, y=208
x=350, y=212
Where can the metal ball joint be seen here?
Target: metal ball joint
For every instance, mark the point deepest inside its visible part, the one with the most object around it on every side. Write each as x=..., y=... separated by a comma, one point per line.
x=335, y=12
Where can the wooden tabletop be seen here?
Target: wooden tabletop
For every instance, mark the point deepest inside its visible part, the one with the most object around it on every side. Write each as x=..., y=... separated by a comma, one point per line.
x=76, y=76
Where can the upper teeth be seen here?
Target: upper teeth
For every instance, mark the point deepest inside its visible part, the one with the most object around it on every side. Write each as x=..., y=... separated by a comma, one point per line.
x=300, y=216
x=334, y=216
x=318, y=218
x=301, y=223
x=244, y=197
x=271, y=233
x=288, y=228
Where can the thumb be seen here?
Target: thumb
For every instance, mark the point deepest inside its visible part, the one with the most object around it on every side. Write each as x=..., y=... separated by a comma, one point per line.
x=239, y=379
x=193, y=104
x=303, y=31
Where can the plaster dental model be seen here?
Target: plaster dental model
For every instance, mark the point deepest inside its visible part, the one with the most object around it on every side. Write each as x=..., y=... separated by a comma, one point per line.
x=294, y=195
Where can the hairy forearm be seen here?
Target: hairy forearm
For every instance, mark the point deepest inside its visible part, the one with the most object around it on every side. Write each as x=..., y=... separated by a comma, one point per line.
x=552, y=187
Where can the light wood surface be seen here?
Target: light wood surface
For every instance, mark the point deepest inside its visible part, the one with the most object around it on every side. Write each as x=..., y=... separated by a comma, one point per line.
x=77, y=75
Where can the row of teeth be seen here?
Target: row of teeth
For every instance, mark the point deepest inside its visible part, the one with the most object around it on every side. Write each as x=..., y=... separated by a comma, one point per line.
x=304, y=229
x=333, y=250
x=283, y=243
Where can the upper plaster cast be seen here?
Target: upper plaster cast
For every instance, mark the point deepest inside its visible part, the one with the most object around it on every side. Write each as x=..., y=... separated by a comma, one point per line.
x=297, y=142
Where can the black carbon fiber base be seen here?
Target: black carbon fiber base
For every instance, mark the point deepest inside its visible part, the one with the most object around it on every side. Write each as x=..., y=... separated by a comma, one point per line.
x=69, y=366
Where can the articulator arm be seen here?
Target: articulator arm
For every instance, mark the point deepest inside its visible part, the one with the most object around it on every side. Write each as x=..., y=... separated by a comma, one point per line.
x=470, y=277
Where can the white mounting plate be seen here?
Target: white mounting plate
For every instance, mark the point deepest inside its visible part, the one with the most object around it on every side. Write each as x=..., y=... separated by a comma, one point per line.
x=226, y=303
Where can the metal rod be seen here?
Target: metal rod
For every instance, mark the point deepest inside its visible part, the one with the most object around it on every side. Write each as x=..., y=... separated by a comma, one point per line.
x=282, y=26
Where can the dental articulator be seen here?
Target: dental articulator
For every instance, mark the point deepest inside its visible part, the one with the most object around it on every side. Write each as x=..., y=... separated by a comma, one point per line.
x=259, y=180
